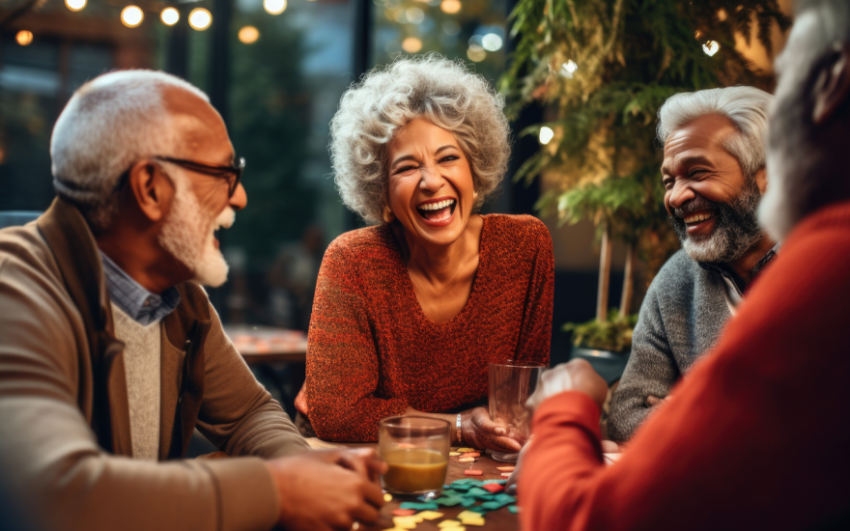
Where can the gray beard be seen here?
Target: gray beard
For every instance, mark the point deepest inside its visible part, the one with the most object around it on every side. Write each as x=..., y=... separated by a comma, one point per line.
x=736, y=228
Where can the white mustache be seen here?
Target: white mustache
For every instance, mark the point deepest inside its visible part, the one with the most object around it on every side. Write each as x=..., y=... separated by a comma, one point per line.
x=225, y=220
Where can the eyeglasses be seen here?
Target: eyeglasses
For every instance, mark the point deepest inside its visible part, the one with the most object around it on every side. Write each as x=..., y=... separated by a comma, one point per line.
x=232, y=173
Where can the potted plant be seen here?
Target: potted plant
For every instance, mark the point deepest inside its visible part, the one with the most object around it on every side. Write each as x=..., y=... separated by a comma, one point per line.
x=602, y=69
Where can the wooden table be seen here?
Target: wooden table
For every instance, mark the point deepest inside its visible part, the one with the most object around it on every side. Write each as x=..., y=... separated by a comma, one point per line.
x=501, y=520
x=265, y=344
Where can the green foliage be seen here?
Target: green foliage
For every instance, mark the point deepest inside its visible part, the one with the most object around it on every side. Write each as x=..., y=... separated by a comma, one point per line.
x=269, y=121
x=615, y=334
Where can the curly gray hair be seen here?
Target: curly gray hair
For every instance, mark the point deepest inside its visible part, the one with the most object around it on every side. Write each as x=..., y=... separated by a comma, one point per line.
x=429, y=86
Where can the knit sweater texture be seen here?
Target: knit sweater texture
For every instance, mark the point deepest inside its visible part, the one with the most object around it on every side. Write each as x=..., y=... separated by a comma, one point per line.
x=754, y=433
x=681, y=318
x=372, y=351
x=142, y=353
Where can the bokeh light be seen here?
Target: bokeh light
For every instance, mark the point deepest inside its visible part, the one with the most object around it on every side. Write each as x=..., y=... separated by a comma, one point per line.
x=569, y=68
x=411, y=45
x=546, y=135
x=414, y=15
x=450, y=6
x=710, y=48
x=249, y=35
x=491, y=42
x=24, y=37
x=274, y=7
x=132, y=16
x=476, y=54
x=169, y=16
x=200, y=19
x=75, y=5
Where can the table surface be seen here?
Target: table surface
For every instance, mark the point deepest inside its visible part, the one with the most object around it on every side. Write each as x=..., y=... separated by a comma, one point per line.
x=501, y=520
x=266, y=344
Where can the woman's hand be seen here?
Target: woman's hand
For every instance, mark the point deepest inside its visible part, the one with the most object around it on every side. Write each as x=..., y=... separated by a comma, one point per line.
x=480, y=431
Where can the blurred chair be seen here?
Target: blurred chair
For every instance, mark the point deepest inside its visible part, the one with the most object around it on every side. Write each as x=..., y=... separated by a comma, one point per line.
x=16, y=218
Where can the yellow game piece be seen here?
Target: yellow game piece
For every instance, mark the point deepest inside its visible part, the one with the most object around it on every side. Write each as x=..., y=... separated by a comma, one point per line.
x=454, y=454
x=464, y=450
x=388, y=497
x=404, y=524
x=449, y=523
x=471, y=521
x=430, y=515
x=468, y=514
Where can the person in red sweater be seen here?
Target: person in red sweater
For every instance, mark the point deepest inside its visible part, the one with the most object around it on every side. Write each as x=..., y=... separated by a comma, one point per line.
x=755, y=436
x=408, y=313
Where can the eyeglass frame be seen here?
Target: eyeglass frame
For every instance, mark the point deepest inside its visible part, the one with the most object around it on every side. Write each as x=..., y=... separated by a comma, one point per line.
x=212, y=171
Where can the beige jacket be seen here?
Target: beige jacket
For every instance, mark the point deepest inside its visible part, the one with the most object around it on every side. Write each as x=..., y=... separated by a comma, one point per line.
x=64, y=421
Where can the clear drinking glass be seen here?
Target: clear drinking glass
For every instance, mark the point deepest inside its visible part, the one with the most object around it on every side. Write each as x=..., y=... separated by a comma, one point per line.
x=510, y=385
x=416, y=450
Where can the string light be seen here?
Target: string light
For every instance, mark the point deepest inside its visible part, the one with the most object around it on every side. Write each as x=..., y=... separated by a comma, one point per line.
x=132, y=16
x=569, y=68
x=274, y=7
x=710, y=48
x=200, y=19
x=75, y=5
x=169, y=16
x=248, y=35
x=546, y=135
x=476, y=54
x=491, y=42
x=24, y=37
x=450, y=6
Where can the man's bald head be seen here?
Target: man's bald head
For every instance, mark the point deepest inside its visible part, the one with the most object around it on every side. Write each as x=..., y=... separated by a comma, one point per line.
x=117, y=119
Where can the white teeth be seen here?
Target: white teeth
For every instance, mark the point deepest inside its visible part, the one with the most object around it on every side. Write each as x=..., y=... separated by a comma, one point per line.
x=696, y=218
x=439, y=205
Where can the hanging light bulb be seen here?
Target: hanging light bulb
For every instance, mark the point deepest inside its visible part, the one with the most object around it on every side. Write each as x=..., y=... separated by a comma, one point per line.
x=200, y=19
x=75, y=5
x=24, y=37
x=248, y=35
x=169, y=16
x=132, y=16
x=710, y=48
x=546, y=135
x=274, y=7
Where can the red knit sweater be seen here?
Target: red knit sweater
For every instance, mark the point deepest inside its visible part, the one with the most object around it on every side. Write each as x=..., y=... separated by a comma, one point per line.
x=755, y=437
x=372, y=352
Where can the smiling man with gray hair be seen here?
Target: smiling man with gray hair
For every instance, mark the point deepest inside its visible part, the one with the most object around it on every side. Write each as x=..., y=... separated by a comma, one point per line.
x=714, y=177
x=111, y=353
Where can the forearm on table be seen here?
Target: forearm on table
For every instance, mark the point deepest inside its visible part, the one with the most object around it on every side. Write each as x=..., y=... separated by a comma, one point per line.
x=351, y=420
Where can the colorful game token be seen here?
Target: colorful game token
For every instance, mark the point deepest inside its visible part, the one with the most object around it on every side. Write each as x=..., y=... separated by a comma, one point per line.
x=493, y=487
x=506, y=474
x=406, y=522
x=466, y=460
x=468, y=514
x=430, y=515
x=388, y=497
x=472, y=454
x=419, y=506
x=454, y=454
x=513, y=509
x=403, y=512
x=449, y=523
x=464, y=450
x=473, y=472
x=505, y=468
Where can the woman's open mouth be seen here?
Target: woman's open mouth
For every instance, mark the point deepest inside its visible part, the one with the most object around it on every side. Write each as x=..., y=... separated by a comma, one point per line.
x=437, y=212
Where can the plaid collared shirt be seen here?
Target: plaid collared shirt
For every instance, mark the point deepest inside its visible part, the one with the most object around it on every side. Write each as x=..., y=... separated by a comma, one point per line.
x=134, y=300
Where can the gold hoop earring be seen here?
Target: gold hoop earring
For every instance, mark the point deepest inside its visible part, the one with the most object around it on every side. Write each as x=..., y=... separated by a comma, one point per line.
x=388, y=215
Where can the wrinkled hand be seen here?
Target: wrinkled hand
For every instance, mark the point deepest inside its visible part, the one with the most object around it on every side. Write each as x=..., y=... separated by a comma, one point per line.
x=301, y=400
x=576, y=375
x=480, y=431
x=328, y=490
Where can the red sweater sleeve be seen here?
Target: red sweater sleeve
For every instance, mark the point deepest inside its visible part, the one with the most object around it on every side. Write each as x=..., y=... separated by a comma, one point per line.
x=342, y=363
x=754, y=437
x=536, y=331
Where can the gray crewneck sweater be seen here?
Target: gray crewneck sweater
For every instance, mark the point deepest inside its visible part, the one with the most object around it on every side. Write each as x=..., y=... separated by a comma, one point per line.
x=681, y=318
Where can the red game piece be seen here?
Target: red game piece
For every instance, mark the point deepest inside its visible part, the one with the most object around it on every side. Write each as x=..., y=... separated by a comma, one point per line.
x=473, y=472
x=492, y=487
x=404, y=512
x=471, y=454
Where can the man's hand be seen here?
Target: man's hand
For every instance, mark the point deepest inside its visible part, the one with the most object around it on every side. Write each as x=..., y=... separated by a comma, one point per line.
x=480, y=431
x=328, y=491
x=576, y=375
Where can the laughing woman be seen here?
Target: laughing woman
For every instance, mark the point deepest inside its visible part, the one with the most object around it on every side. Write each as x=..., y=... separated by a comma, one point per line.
x=409, y=312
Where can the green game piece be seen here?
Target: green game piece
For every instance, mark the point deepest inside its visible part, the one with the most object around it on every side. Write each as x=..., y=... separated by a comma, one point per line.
x=504, y=498
x=467, y=502
x=492, y=505
x=420, y=506
x=478, y=492
x=449, y=493
x=479, y=509
x=513, y=509
x=448, y=501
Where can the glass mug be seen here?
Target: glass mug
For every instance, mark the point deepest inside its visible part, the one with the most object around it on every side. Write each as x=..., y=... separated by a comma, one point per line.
x=416, y=450
x=510, y=385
